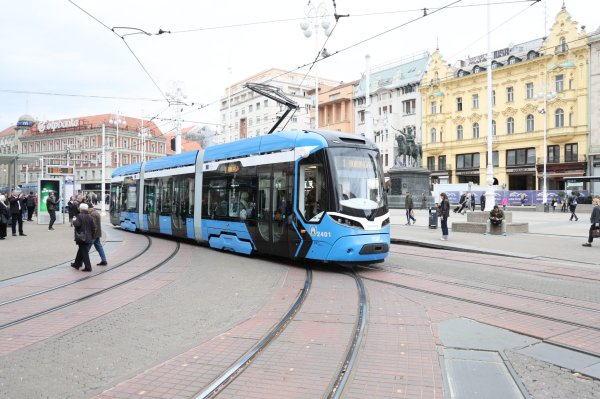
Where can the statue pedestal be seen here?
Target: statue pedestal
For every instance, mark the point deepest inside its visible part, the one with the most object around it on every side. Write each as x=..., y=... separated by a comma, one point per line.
x=413, y=180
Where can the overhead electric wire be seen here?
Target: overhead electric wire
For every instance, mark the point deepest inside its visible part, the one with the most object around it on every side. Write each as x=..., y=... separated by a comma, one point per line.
x=43, y=93
x=127, y=45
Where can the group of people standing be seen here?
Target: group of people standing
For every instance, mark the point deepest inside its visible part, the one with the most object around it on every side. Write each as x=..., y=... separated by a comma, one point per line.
x=467, y=202
x=12, y=210
x=87, y=231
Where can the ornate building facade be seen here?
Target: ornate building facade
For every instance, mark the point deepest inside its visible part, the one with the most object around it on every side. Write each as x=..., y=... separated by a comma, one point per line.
x=395, y=105
x=539, y=89
x=77, y=142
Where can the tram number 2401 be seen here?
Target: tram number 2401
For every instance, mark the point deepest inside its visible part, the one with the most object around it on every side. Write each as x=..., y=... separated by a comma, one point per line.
x=320, y=234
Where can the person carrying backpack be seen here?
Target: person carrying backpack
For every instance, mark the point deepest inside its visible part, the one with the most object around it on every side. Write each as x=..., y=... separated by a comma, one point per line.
x=573, y=206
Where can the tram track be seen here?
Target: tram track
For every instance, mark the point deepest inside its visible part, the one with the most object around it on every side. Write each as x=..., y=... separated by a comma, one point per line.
x=537, y=272
x=341, y=377
x=78, y=280
x=489, y=290
x=95, y=293
x=487, y=304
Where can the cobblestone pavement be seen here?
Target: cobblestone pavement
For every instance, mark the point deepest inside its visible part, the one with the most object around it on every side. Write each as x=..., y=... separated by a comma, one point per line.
x=547, y=381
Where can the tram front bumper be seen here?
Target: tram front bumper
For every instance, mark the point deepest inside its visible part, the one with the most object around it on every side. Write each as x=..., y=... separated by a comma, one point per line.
x=360, y=248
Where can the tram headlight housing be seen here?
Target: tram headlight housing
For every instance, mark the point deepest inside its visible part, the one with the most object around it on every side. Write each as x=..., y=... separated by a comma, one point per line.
x=385, y=222
x=347, y=222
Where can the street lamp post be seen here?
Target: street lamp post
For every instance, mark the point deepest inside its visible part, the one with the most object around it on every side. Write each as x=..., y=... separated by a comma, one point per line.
x=103, y=173
x=546, y=96
x=320, y=15
x=177, y=96
x=117, y=121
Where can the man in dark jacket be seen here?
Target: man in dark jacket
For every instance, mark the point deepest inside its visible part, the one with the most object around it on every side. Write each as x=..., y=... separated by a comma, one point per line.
x=497, y=219
x=30, y=206
x=84, y=237
x=409, y=204
x=17, y=203
x=98, y=235
x=51, y=204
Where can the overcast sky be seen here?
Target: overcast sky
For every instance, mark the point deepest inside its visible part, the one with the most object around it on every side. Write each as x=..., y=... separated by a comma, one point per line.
x=66, y=48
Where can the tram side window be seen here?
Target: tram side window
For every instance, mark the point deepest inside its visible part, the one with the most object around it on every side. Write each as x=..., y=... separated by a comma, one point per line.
x=217, y=198
x=313, y=184
x=166, y=198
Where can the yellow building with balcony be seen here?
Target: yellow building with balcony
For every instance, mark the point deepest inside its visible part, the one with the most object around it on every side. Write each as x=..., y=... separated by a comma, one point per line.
x=539, y=89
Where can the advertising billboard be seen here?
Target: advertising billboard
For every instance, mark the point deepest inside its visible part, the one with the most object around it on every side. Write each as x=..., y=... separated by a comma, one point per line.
x=46, y=187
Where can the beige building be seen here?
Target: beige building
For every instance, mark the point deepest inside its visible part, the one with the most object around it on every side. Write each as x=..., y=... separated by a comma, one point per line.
x=336, y=109
x=594, y=94
x=540, y=88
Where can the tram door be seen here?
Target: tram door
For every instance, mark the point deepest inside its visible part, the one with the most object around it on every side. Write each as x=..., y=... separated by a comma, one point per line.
x=274, y=208
x=151, y=191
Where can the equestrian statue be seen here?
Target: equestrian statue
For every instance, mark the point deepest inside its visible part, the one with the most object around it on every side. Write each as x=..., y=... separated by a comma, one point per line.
x=409, y=152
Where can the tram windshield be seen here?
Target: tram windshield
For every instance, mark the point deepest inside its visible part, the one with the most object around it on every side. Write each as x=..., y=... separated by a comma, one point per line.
x=359, y=179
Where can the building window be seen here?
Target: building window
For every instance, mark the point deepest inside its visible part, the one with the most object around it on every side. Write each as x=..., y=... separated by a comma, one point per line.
x=559, y=118
x=475, y=101
x=459, y=104
x=495, y=158
x=529, y=90
x=433, y=107
x=529, y=123
x=559, y=84
x=459, y=133
x=510, y=95
x=431, y=163
x=563, y=44
x=442, y=162
x=493, y=97
x=553, y=154
x=475, y=130
x=493, y=127
x=433, y=135
x=570, y=119
x=467, y=161
x=571, y=152
x=510, y=125
x=250, y=107
x=409, y=106
x=521, y=156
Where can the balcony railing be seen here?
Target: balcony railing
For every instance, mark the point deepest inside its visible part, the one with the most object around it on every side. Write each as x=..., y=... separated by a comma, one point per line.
x=575, y=159
x=442, y=168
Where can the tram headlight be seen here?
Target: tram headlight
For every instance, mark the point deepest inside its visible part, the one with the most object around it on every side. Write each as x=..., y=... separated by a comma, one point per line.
x=347, y=222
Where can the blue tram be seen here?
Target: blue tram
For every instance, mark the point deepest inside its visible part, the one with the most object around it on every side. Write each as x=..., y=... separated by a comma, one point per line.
x=298, y=194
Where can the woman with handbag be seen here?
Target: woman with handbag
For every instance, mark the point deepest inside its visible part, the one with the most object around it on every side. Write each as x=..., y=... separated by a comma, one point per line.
x=444, y=213
x=4, y=216
x=595, y=220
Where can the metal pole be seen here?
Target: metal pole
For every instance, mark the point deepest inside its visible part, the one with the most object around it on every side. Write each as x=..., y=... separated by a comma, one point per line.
x=178, y=126
x=368, y=120
x=544, y=191
x=490, y=198
x=317, y=74
x=103, y=173
x=117, y=121
x=230, y=126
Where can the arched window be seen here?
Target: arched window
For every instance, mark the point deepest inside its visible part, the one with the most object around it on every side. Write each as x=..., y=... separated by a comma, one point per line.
x=475, y=130
x=510, y=125
x=433, y=135
x=559, y=118
x=459, y=133
x=529, y=123
x=563, y=44
x=493, y=127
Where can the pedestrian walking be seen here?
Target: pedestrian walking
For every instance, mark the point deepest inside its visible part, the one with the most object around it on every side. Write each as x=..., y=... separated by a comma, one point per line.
x=595, y=223
x=444, y=212
x=72, y=205
x=523, y=197
x=563, y=207
x=473, y=203
x=504, y=203
x=553, y=203
x=409, y=205
x=30, y=206
x=84, y=237
x=482, y=202
x=97, y=236
x=51, y=204
x=573, y=206
x=17, y=203
x=462, y=203
x=4, y=216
